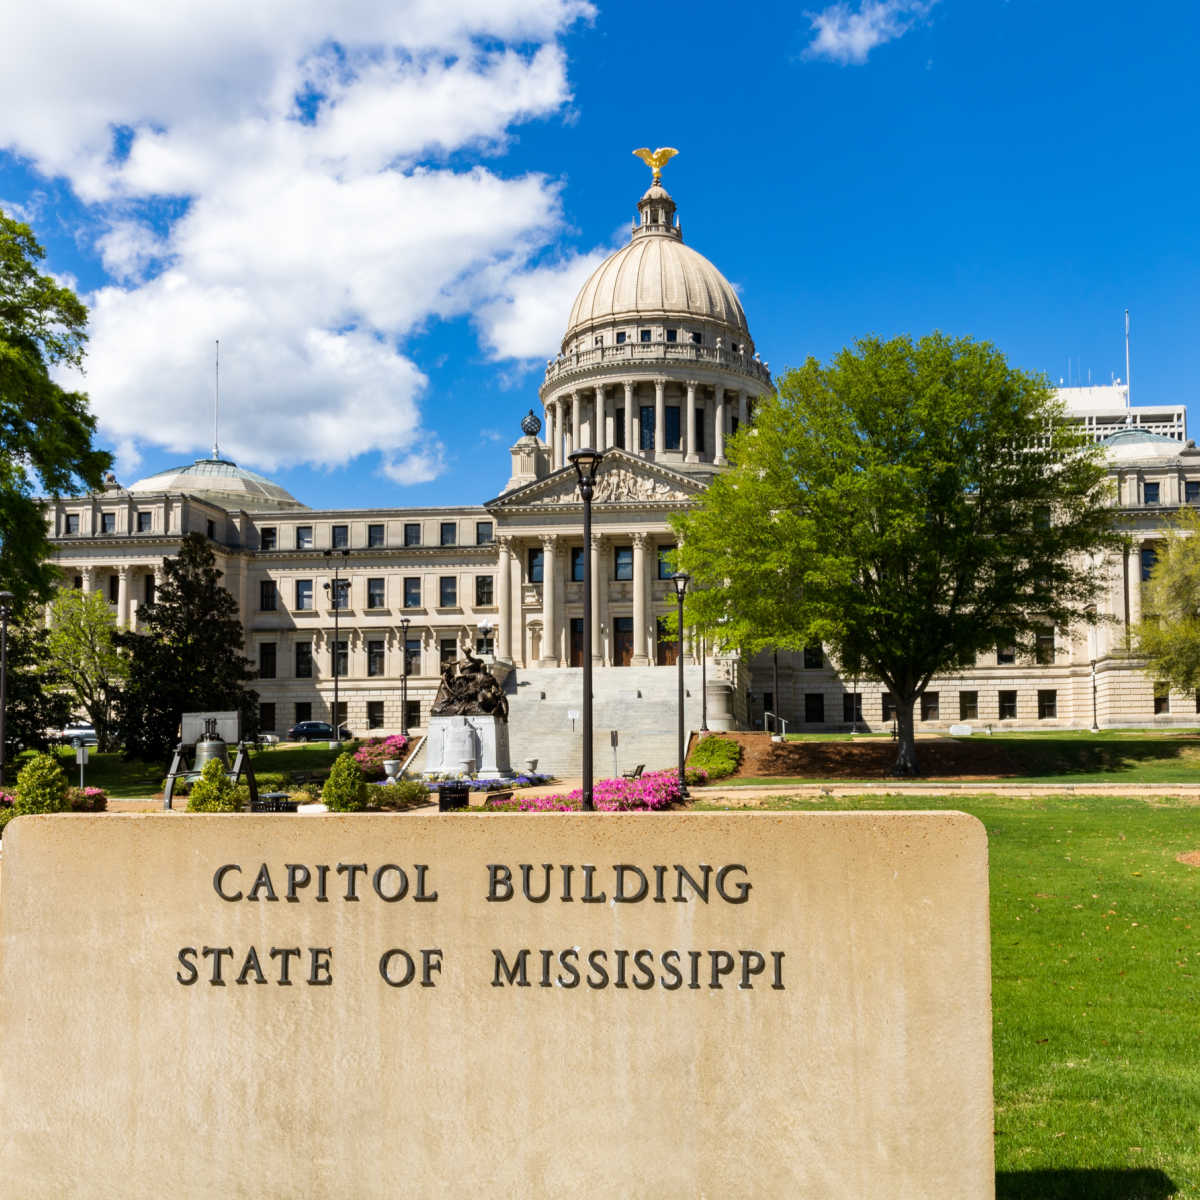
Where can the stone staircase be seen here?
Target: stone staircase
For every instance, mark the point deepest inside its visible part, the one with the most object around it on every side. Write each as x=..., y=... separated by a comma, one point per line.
x=638, y=702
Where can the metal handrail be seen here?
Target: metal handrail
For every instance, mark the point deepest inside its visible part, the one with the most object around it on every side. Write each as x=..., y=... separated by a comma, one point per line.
x=775, y=717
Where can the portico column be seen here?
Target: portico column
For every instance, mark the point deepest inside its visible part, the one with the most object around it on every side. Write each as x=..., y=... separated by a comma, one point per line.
x=549, y=616
x=550, y=430
x=629, y=416
x=87, y=577
x=123, y=597
x=1135, y=584
x=560, y=420
x=640, y=657
x=599, y=409
x=742, y=410
x=504, y=597
x=598, y=598
x=719, y=426
x=660, y=417
x=576, y=419
x=692, y=456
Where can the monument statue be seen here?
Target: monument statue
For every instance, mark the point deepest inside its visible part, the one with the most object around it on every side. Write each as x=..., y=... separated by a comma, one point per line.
x=656, y=159
x=468, y=688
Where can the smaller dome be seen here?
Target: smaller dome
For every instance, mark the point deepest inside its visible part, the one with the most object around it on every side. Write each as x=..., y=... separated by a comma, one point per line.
x=1133, y=444
x=221, y=481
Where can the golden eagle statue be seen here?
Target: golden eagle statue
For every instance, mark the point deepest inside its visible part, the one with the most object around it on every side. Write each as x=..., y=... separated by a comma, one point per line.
x=657, y=159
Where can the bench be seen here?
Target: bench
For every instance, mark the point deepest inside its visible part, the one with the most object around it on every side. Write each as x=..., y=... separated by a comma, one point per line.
x=636, y=773
x=273, y=802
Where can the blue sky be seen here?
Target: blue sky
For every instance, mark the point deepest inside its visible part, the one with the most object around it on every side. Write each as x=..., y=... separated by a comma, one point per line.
x=383, y=209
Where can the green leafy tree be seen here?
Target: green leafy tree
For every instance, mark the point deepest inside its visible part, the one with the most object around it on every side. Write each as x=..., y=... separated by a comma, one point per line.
x=82, y=647
x=911, y=505
x=35, y=703
x=45, y=432
x=1169, y=634
x=188, y=660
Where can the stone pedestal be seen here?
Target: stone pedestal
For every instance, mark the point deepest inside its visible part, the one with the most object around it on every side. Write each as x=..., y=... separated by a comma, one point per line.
x=720, y=704
x=473, y=745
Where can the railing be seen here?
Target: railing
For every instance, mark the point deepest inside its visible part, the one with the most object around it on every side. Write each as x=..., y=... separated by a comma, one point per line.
x=634, y=354
x=779, y=721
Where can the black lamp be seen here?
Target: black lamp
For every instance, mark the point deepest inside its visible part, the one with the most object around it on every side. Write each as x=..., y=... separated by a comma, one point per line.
x=586, y=462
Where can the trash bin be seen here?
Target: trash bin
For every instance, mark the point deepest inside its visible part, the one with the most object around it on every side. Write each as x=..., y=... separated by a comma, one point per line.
x=453, y=795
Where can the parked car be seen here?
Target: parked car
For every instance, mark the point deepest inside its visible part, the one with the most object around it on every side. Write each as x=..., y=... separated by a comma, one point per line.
x=85, y=734
x=315, y=731
x=267, y=739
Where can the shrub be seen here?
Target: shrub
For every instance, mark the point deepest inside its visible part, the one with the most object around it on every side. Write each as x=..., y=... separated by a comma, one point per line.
x=405, y=792
x=345, y=790
x=213, y=792
x=718, y=756
x=6, y=815
x=653, y=791
x=372, y=754
x=41, y=786
x=696, y=776
x=87, y=799
x=182, y=786
x=270, y=781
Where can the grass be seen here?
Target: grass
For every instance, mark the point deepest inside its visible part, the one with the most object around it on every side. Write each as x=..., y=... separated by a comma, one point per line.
x=1096, y=986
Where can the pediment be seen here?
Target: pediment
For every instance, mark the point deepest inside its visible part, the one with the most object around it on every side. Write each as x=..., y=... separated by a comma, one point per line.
x=623, y=480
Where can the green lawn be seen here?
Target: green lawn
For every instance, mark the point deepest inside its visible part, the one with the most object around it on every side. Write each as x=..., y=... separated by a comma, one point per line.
x=1096, y=992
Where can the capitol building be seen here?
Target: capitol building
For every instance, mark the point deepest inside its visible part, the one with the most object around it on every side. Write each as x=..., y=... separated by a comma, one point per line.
x=657, y=368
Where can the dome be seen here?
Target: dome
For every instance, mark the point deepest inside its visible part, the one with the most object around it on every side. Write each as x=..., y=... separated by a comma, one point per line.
x=1132, y=444
x=221, y=481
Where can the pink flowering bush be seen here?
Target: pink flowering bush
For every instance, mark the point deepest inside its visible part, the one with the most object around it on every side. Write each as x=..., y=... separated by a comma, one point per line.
x=87, y=799
x=374, y=752
x=6, y=799
x=653, y=791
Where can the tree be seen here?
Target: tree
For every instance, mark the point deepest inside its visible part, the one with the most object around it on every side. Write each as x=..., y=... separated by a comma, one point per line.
x=35, y=703
x=1169, y=634
x=188, y=660
x=45, y=432
x=909, y=506
x=82, y=650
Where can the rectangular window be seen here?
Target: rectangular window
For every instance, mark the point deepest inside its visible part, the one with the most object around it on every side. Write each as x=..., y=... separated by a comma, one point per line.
x=210, y=529
x=1162, y=699
x=814, y=658
x=576, y=564
x=672, y=335
x=697, y=339
x=665, y=570
x=623, y=562
x=78, y=586
x=1047, y=705
x=375, y=592
x=108, y=522
x=699, y=430
x=733, y=425
x=1149, y=558
x=448, y=591
x=304, y=537
x=339, y=659
x=1151, y=493
x=484, y=533
x=72, y=523
x=340, y=537
x=339, y=594
x=412, y=654
x=968, y=706
x=852, y=708
x=304, y=660
x=483, y=591
x=1008, y=706
x=412, y=533
x=412, y=592
x=621, y=337
x=268, y=596
x=267, y=538
x=1044, y=649
x=145, y=522
x=447, y=651
x=339, y=713
x=449, y=534
x=375, y=656
x=671, y=432
x=646, y=427
x=534, y=561
x=929, y=706
x=643, y=335
x=484, y=644
x=303, y=711
x=889, y=707
x=374, y=714
x=619, y=429
x=1191, y=491
x=814, y=708
x=266, y=716
x=1005, y=656
x=375, y=537
x=147, y=588
x=412, y=715
x=266, y=660
x=598, y=340
x=304, y=601
x=114, y=589
x=1041, y=517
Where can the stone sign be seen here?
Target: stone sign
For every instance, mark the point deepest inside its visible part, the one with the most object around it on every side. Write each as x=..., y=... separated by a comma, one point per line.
x=633, y=1005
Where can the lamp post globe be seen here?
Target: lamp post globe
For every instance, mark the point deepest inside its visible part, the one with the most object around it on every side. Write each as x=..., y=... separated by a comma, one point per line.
x=586, y=462
x=680, y=581
x=6, y=599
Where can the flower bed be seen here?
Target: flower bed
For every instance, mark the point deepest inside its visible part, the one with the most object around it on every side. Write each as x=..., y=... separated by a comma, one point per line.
x=651, y=793
x=374, y=752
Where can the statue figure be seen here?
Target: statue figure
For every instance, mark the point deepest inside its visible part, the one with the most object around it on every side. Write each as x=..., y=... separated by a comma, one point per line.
x=469, y=689
x=656, y=159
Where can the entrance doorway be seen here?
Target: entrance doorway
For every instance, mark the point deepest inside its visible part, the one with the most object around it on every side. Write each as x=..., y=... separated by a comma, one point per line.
x=667, y=647
x=622, y=641
x=577, y=641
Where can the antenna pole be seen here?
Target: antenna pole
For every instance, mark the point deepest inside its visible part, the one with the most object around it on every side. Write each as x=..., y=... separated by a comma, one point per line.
x=217, y=404
x=1128, y=376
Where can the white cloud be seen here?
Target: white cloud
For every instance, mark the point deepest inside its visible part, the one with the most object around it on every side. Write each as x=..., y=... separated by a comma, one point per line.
x=310, y=236
x=848, y=35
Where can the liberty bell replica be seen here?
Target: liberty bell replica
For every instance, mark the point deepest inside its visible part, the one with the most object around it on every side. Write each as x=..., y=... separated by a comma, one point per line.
x=211, y=745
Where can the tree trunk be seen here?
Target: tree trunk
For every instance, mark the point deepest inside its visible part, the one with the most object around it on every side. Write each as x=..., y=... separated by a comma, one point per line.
x=906, y=743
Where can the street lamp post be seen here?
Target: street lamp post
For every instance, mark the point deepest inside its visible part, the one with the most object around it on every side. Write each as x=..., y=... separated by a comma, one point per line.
x=336, y=597
x=586, y=462
x=404, y=623
x=680, y=579
x=6, y=599
x=1095, y=723
x=703, y=687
